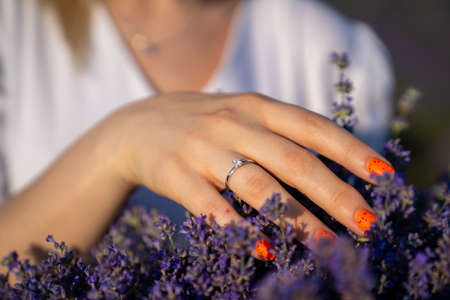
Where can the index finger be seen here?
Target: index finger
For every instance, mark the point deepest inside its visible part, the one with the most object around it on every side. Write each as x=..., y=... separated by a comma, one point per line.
x=316, y=132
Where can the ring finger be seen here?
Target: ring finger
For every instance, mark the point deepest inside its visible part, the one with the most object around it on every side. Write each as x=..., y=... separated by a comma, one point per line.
x=254, y=185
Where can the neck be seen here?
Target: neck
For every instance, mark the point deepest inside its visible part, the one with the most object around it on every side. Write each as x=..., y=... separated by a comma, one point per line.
x=156, y=10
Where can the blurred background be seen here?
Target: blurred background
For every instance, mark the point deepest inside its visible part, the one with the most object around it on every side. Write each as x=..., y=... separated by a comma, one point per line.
x=417, y=35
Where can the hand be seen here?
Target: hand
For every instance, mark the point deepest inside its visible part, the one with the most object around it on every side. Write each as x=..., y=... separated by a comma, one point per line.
x=181, y=146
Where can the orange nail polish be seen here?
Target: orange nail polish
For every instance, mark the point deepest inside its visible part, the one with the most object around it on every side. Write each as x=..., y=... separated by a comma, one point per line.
x=262, y=248
x=378, y=166
x=323, y=234
x=364, y=218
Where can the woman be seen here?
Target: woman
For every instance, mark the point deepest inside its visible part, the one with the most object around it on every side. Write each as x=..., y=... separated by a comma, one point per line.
x=92, y=110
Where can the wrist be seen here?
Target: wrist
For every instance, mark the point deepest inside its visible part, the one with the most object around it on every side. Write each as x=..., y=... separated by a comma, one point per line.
x=110, y=147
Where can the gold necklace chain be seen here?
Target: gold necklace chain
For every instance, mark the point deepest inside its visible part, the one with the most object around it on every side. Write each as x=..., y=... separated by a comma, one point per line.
x=150, y=46
x=145, y=43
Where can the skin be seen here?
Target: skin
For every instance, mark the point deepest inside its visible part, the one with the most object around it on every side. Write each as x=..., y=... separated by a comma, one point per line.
x=193, y=35
x=181, y=145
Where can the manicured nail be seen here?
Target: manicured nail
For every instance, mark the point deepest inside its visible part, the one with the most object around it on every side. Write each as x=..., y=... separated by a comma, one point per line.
x=364, y=218
x=262, y=248
x=379, y=166
x=325, y=235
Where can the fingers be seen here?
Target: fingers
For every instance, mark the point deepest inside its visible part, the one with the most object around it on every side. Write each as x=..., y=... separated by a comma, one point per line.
x=316, y=132
x=304, y=171
x=200, y=197
x=254, y=185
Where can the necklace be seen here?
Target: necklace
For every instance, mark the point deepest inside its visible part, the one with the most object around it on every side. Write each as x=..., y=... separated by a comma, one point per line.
x=153, y=46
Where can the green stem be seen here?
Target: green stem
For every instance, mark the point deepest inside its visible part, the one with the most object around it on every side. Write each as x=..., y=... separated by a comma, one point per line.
x=172, y=244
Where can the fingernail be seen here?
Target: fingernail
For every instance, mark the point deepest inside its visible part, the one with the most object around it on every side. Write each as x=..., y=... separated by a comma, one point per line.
x=379, y=166
x=325, y=235
x=262, y=248
x=364, y=218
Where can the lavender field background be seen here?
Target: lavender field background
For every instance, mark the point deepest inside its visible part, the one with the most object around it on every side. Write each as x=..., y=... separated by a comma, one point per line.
x=417, y=35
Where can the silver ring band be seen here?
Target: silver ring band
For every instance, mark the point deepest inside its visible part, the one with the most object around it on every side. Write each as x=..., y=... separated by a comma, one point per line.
x=237, y=163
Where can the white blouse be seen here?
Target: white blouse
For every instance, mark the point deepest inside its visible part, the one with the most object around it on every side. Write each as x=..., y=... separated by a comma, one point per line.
x=280, y=48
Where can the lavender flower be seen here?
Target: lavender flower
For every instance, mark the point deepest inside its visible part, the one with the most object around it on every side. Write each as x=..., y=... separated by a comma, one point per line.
x=405, y=106
x=418, y=280
x=273, y=208
x=340, y=60
x=342, y=272
x=405, y=255
x=342, y=107
x=396, y=154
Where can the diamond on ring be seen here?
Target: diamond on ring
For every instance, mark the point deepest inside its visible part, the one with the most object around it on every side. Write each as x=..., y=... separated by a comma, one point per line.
x=237, y=163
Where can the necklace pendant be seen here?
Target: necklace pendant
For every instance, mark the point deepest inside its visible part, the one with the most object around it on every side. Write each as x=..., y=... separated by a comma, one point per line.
x=152, y=48
x=141, y=43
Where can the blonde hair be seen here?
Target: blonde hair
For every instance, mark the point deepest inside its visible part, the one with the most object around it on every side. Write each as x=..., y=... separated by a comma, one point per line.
x=75, y=20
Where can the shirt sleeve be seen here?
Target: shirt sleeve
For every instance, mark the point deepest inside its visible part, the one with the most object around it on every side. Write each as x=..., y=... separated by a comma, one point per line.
x=373, y=77
x=325, y=31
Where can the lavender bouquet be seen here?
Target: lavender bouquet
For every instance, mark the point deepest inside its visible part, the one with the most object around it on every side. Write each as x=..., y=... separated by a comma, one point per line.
x=405, y=255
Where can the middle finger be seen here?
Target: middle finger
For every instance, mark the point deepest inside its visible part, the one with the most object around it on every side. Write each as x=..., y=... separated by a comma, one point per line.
x=303, y=170
x=254, y=185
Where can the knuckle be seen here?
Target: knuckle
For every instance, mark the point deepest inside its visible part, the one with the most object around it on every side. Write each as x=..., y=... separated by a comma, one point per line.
x=200, y=130
x=251, y=99
x=252, y=95
x=258, y=184
x=224, y=113
x=317, y=124
x=251, y=105
x=222, y=122
x=221, y=116
x=299, y=163
x=341, y=196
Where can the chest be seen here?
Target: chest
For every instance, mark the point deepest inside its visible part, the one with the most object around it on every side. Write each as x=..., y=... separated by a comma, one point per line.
x=188, y=66
x=182, y=57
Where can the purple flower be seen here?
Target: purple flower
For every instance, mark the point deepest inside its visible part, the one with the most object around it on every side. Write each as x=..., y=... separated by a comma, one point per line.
x=273, y=208
x=340, y=60
x=342, y=106
x=405, y=255
x=396, y=154
x=418, y=278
